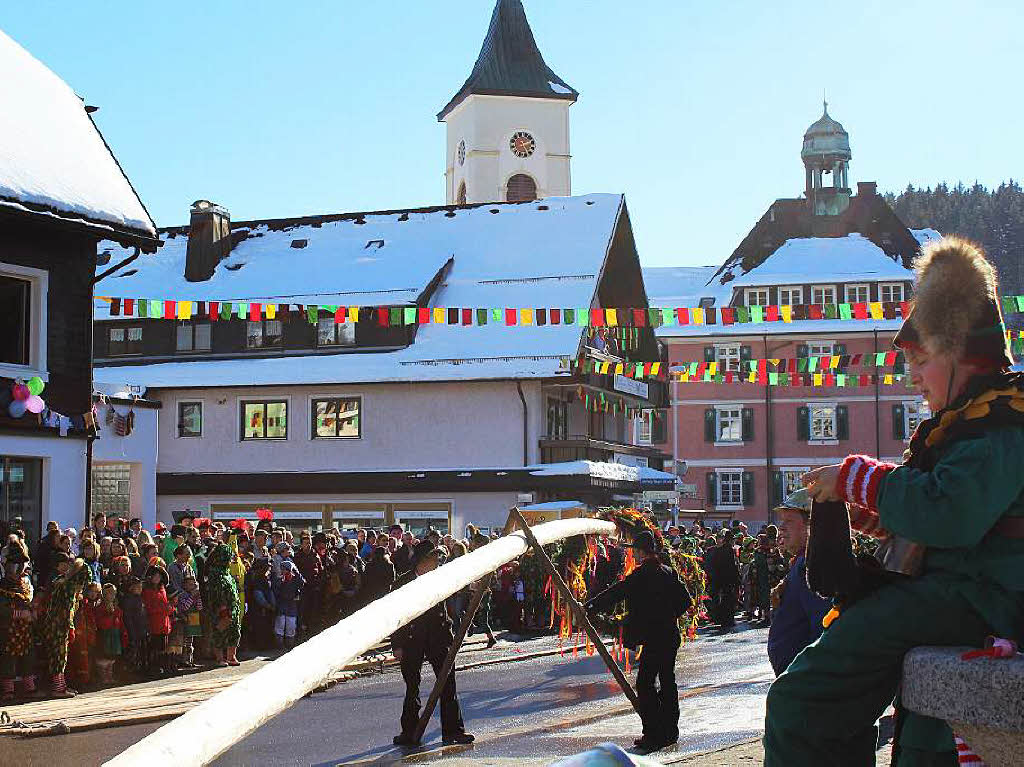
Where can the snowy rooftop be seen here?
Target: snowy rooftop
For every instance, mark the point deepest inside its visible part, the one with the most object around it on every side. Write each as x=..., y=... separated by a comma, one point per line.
x=679, y=285
x=547, y=253
x=53, y=159
x=924, y=236
x=601, y=470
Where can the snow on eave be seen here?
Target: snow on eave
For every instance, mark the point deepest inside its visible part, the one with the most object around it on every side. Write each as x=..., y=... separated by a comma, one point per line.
x=797, y=327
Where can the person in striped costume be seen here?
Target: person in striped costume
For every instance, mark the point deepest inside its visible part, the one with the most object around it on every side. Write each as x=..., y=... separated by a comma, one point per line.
x=951, y=517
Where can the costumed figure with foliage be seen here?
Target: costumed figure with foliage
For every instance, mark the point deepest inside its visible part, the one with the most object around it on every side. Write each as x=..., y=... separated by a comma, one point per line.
x=226, y=617
x=54, y=630
x=17, y=647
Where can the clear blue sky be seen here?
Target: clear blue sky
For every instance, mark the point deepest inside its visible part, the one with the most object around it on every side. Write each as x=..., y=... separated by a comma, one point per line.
x=694, y=109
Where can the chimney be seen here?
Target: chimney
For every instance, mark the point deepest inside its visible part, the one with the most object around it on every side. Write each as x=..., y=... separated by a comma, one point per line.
x=867, y=188
x=209, y=240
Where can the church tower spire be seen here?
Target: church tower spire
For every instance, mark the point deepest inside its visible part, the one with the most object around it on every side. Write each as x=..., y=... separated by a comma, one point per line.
x=508, y=125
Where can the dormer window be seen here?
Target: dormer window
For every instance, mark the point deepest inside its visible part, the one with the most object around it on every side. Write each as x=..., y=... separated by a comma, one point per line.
x=823, y=294
x=193, y=337
x=856, y=294
x=791, y=295
x=891, y=291
x=756, y=297
x=331, y=333
x=263, y=334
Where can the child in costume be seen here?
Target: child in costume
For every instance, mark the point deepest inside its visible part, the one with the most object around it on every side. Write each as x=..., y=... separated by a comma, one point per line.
x=189, y=611
x=112, y=638
x=287, y=593
x=224, y=607
x=54, y=627
x=17, y=648
x=952, y=516
x=83, y=645
x=135, y=622
x=158, y=620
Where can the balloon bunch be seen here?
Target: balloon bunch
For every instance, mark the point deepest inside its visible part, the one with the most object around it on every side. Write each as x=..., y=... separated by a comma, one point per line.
x=24, y=397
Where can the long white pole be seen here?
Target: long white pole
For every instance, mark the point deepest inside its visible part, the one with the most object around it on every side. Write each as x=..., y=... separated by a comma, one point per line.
x=211, y=728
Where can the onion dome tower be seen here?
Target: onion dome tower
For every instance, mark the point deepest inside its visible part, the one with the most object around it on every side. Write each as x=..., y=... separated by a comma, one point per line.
x=826, y=151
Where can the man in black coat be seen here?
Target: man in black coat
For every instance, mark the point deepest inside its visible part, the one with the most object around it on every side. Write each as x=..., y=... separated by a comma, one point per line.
x=724, y=574
x=427, y=637
x=655, y=599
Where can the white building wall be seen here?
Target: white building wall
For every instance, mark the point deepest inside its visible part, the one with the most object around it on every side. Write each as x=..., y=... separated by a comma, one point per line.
x=64, y=470
x=140, y=450
x=486, y=124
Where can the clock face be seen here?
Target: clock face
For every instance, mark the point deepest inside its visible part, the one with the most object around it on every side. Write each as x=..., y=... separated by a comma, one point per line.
x=462, y=153
x=522, y=144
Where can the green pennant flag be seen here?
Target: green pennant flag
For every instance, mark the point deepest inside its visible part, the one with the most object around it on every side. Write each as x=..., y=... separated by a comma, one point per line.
x=668, y=317
x=773, y=379
x=156, y=308
x=313, y=313
x=395, y=315
x=879, y=359
x=742, y=314
x=481, y=316
x=496, y=315
x=225, y=311
x=143, y=307
x=840, y=380
x=568, y=317
x=845, y=312
x=654, y=318
x=693, y=368
x=409, y=315
x=756, y=314
x=812, y=364
x=1009, y=305
x=830, y=312
x=243, y=311
x=1020, y=303
x=582, y=317
x=801, y=365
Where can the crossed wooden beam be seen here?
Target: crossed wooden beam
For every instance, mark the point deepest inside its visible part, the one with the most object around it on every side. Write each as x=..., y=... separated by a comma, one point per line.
x=516, y=519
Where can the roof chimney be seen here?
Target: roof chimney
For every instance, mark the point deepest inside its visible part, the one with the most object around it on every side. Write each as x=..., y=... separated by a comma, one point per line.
x=209, y=240
x=867, y=188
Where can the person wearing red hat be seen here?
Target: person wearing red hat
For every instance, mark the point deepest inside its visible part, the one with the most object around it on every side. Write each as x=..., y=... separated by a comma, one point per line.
x=951, y=520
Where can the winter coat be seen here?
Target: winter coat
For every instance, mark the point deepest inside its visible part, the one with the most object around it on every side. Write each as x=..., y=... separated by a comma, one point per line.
x=134, y=613
x=288, y=592
x=158, y=610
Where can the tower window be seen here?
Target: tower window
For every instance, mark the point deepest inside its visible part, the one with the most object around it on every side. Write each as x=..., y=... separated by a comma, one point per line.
x=460, y=199
x=462, y=153
x=521, y=188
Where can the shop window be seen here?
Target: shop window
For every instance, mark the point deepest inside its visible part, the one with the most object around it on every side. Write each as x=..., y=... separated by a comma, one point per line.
x=193, y=337
x=190, y=419
x=331, y=333
x=125, y=341
x=645, y=427
x=337, y=418
x=266, y=419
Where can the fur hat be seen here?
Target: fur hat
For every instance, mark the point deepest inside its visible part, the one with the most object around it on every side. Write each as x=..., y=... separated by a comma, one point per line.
x=956, y=306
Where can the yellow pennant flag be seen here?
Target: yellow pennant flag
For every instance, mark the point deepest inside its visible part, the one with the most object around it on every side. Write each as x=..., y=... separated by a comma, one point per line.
x=876, y=310
x=526, y=316
x=618, y=368
x=440, y=316
x=655, y=368
x=888, y=379
x=752, y=377
x=184, y=310
x=787, y=313
x=698, y=316
x=271, y=310
x=353, y=314
x=833, y=363
x=712, y=368
x=611, y=318
x=817, y=379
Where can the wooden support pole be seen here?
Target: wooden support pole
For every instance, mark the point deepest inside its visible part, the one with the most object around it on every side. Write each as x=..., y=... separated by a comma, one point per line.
x=577, y=609
x=479, y=591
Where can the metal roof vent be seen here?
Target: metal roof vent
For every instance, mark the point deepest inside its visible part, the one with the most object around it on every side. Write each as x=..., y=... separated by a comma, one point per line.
x=299, y=244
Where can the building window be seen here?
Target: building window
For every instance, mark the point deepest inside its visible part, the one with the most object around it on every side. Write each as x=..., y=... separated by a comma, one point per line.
x=728, y=424
x=521, y=188
x=21, y=494
x=193, y=337
x=856, y=294
x=823, y=294
x=645, y=427
x=460, y=198
x=820, y=348
x=791, y=296
x=891, y=292
x=331, y=333
x=823, y=422
x=337, y=418
x=263, y=334
x=111, y=488
x=730, y=488
x=756, y=297
x=16, y=319
x=914, y=413
x=558, y=418
x=792, y=480
x=124, y=341
x=728, y=357
x=265, y=420
x=190, y=419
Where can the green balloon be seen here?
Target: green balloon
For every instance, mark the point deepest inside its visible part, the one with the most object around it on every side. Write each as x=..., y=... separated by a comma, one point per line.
x=36, y=385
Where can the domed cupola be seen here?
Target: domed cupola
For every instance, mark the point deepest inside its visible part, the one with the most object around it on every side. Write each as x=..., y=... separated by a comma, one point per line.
x=826, y=150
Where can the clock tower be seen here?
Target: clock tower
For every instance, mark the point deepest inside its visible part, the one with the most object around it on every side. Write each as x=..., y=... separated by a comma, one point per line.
x=508, y=126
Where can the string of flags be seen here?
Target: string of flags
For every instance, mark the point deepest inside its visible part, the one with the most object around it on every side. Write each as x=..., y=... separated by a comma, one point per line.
x=772, y=378
x=825, y=363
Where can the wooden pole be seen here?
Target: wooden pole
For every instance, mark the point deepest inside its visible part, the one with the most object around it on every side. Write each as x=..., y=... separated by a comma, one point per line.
x=479, y=591
x=577, y=609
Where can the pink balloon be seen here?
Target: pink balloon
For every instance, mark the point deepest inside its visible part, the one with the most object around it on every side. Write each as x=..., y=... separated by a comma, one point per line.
x=35, y=404
x=20, y=392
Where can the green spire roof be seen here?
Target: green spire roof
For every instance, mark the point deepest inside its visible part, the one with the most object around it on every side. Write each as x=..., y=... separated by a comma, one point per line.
x=510, y=64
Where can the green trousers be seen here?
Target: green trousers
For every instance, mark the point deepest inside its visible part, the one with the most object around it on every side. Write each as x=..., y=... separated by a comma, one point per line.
x=822, y=710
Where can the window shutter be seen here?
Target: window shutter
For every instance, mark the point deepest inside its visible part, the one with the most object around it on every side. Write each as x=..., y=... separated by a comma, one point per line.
x=746, y=353
x=777, y=489
x=709, y=425
x=748, y=424
x=802, y=350
x=899, y=424
x=748, y=489
x=842, y=422
x=803, y=424
x=709, y=353
x=839, y=350
x=657, y=427
x=712, y=488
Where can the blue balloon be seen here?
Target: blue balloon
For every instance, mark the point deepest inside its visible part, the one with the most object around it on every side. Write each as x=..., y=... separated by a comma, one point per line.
x=17, y=408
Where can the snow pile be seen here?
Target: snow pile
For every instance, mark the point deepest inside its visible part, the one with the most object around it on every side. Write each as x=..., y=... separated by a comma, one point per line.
x=51, y=154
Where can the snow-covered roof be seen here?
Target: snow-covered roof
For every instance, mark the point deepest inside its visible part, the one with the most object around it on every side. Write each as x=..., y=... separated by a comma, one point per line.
x=601, y=470
x=53, y=159
x=803, y=328
x=679, y=285
x=924, y=236
x=554, y=506
x=547, y=253
x=824, y=260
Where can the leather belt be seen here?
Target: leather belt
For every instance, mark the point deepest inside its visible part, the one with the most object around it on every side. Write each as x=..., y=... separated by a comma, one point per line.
x=1010, y=527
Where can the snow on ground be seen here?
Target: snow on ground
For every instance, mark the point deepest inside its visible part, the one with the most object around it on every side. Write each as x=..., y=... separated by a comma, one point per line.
x=51, y=154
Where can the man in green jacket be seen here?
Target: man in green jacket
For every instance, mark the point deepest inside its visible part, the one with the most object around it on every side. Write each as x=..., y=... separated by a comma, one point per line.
x=952, y=520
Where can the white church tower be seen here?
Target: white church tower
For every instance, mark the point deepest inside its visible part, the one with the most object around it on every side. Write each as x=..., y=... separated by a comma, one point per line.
x=508, y=126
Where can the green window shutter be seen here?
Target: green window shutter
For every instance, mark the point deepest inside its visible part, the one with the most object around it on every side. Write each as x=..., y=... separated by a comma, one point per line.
x=712, y=488
x=803, y=424
x=658, y=427
x=748, y=424
x=802, y=350
x=843, y=422
x=899, y=424
x=748, y=488
x=709, y=353
x=777, y=489
x=710, y=426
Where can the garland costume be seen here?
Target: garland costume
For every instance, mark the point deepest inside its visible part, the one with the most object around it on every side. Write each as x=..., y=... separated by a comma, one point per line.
x=959, y=498
x=17, y=648
x=223, y=597
x=54, y=630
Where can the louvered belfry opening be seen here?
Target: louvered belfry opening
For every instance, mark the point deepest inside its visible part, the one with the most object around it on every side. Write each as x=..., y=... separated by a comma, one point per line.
x=521, y=188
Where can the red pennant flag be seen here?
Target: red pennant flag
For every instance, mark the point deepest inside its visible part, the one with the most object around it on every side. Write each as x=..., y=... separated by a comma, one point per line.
x=423, y=315
x=890, y=358
x=771, y=314
x=214, y=310
x=856, y=359
x=904, y=309
x=830, y=380
x=640, y=318
x=762, y=366
x=340, y=314
x=728, y=376
x=700, y=369
x=597, y=318
x=683, y=315
x=728, y=316
x=511, y=316
x=170, y=311
x=815, y=312
x=255, y=312
x=864, y=379
x=647, y=368
x=467, y=316
x=129, y=307
x=383, y=317
x=555, y=315
x=860, y=311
